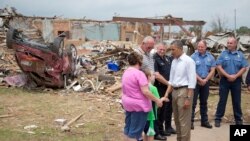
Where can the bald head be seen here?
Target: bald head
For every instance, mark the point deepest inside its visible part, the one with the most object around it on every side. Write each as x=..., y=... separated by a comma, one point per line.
x=202, y=47
x=231, y=44
x=147, y=44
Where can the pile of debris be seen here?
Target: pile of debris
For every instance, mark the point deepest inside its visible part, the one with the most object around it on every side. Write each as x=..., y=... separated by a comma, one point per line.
x=99, y=66
x=8, y=64
x=218, y=42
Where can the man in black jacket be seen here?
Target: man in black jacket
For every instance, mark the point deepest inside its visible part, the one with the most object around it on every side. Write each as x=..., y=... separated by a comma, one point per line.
x=248, y=80
x=162, y=72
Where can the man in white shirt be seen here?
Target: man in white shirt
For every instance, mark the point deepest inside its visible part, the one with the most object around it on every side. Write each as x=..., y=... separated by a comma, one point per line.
x=181, y=83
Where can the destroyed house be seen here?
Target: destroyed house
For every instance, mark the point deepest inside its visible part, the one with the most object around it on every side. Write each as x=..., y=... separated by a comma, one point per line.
x=81, y=30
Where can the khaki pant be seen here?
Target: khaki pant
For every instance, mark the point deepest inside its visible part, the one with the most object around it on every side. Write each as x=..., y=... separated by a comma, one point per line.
x=182, y=116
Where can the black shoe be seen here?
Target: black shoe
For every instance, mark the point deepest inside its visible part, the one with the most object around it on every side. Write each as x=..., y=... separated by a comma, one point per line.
x=217, y=124
x=165, y=133
x=206, y=125
x=192, y=126
x=171, y=130
x=159, y=137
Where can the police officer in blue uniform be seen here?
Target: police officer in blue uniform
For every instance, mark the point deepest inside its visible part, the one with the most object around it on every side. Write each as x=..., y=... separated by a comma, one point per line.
x=231, y=64
x=205, y=68
x=162, y=72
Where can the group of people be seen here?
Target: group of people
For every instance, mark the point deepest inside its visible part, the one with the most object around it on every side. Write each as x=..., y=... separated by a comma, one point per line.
x=156, y=85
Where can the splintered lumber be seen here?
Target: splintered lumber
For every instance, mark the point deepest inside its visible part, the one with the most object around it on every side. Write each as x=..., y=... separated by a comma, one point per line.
x=3, y=44
x=66, y=126
x=114, y=87
x=105, y=78
x=103, y=57
x=74, y=119
x=5, y=116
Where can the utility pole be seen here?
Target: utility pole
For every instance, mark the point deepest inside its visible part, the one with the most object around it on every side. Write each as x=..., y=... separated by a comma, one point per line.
x=235, y=22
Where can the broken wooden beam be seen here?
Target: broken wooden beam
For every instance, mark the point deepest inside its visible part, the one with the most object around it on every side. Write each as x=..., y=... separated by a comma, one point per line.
x=5, y=116
x=103, y=57
x=66, y=126
x=114, y=87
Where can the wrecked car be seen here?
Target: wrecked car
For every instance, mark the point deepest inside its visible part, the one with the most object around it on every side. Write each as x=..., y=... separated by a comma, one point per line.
x=50, y=65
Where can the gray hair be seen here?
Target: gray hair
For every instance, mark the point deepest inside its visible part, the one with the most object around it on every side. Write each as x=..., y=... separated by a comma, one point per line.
x=203, y=41
x=160, y=44
x=148, y=38
x=178, y=44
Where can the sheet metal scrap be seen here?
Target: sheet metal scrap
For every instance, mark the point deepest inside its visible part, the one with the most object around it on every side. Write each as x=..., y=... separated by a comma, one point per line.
x=218, y=42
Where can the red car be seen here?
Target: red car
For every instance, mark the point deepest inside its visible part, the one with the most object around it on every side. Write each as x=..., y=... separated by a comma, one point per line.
x=48, y=65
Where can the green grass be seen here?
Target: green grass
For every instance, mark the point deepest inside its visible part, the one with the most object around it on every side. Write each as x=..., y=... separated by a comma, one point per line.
x=1, y=109
x=9, y=135
x=42, y=108
x=40, y=135
x=21, y=134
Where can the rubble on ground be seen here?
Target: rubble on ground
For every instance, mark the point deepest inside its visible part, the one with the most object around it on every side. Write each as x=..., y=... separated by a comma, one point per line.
x=218, y=42
x=100, y=64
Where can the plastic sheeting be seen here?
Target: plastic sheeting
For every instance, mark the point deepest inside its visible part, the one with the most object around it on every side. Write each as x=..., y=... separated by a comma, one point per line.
x=102, y=31
x=16, y=80
x=77, y=31
x=47, y=31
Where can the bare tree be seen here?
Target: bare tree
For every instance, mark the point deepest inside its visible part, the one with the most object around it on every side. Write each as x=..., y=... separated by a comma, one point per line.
x=196, y=29
x=218, y=24
x=243, y=30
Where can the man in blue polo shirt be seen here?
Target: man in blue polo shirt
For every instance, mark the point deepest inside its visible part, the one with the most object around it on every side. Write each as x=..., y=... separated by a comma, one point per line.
x=231, y=64
x=205, y=68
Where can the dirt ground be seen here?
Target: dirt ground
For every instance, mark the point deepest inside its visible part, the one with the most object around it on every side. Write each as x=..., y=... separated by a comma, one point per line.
x=214, y=134
x=102, y=119
x=217, y=134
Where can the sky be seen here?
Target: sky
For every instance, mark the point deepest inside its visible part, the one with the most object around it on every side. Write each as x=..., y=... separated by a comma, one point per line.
x=206, y=10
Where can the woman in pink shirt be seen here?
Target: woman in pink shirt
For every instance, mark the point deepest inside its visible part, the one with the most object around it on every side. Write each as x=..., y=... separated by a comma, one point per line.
x=136, y=98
